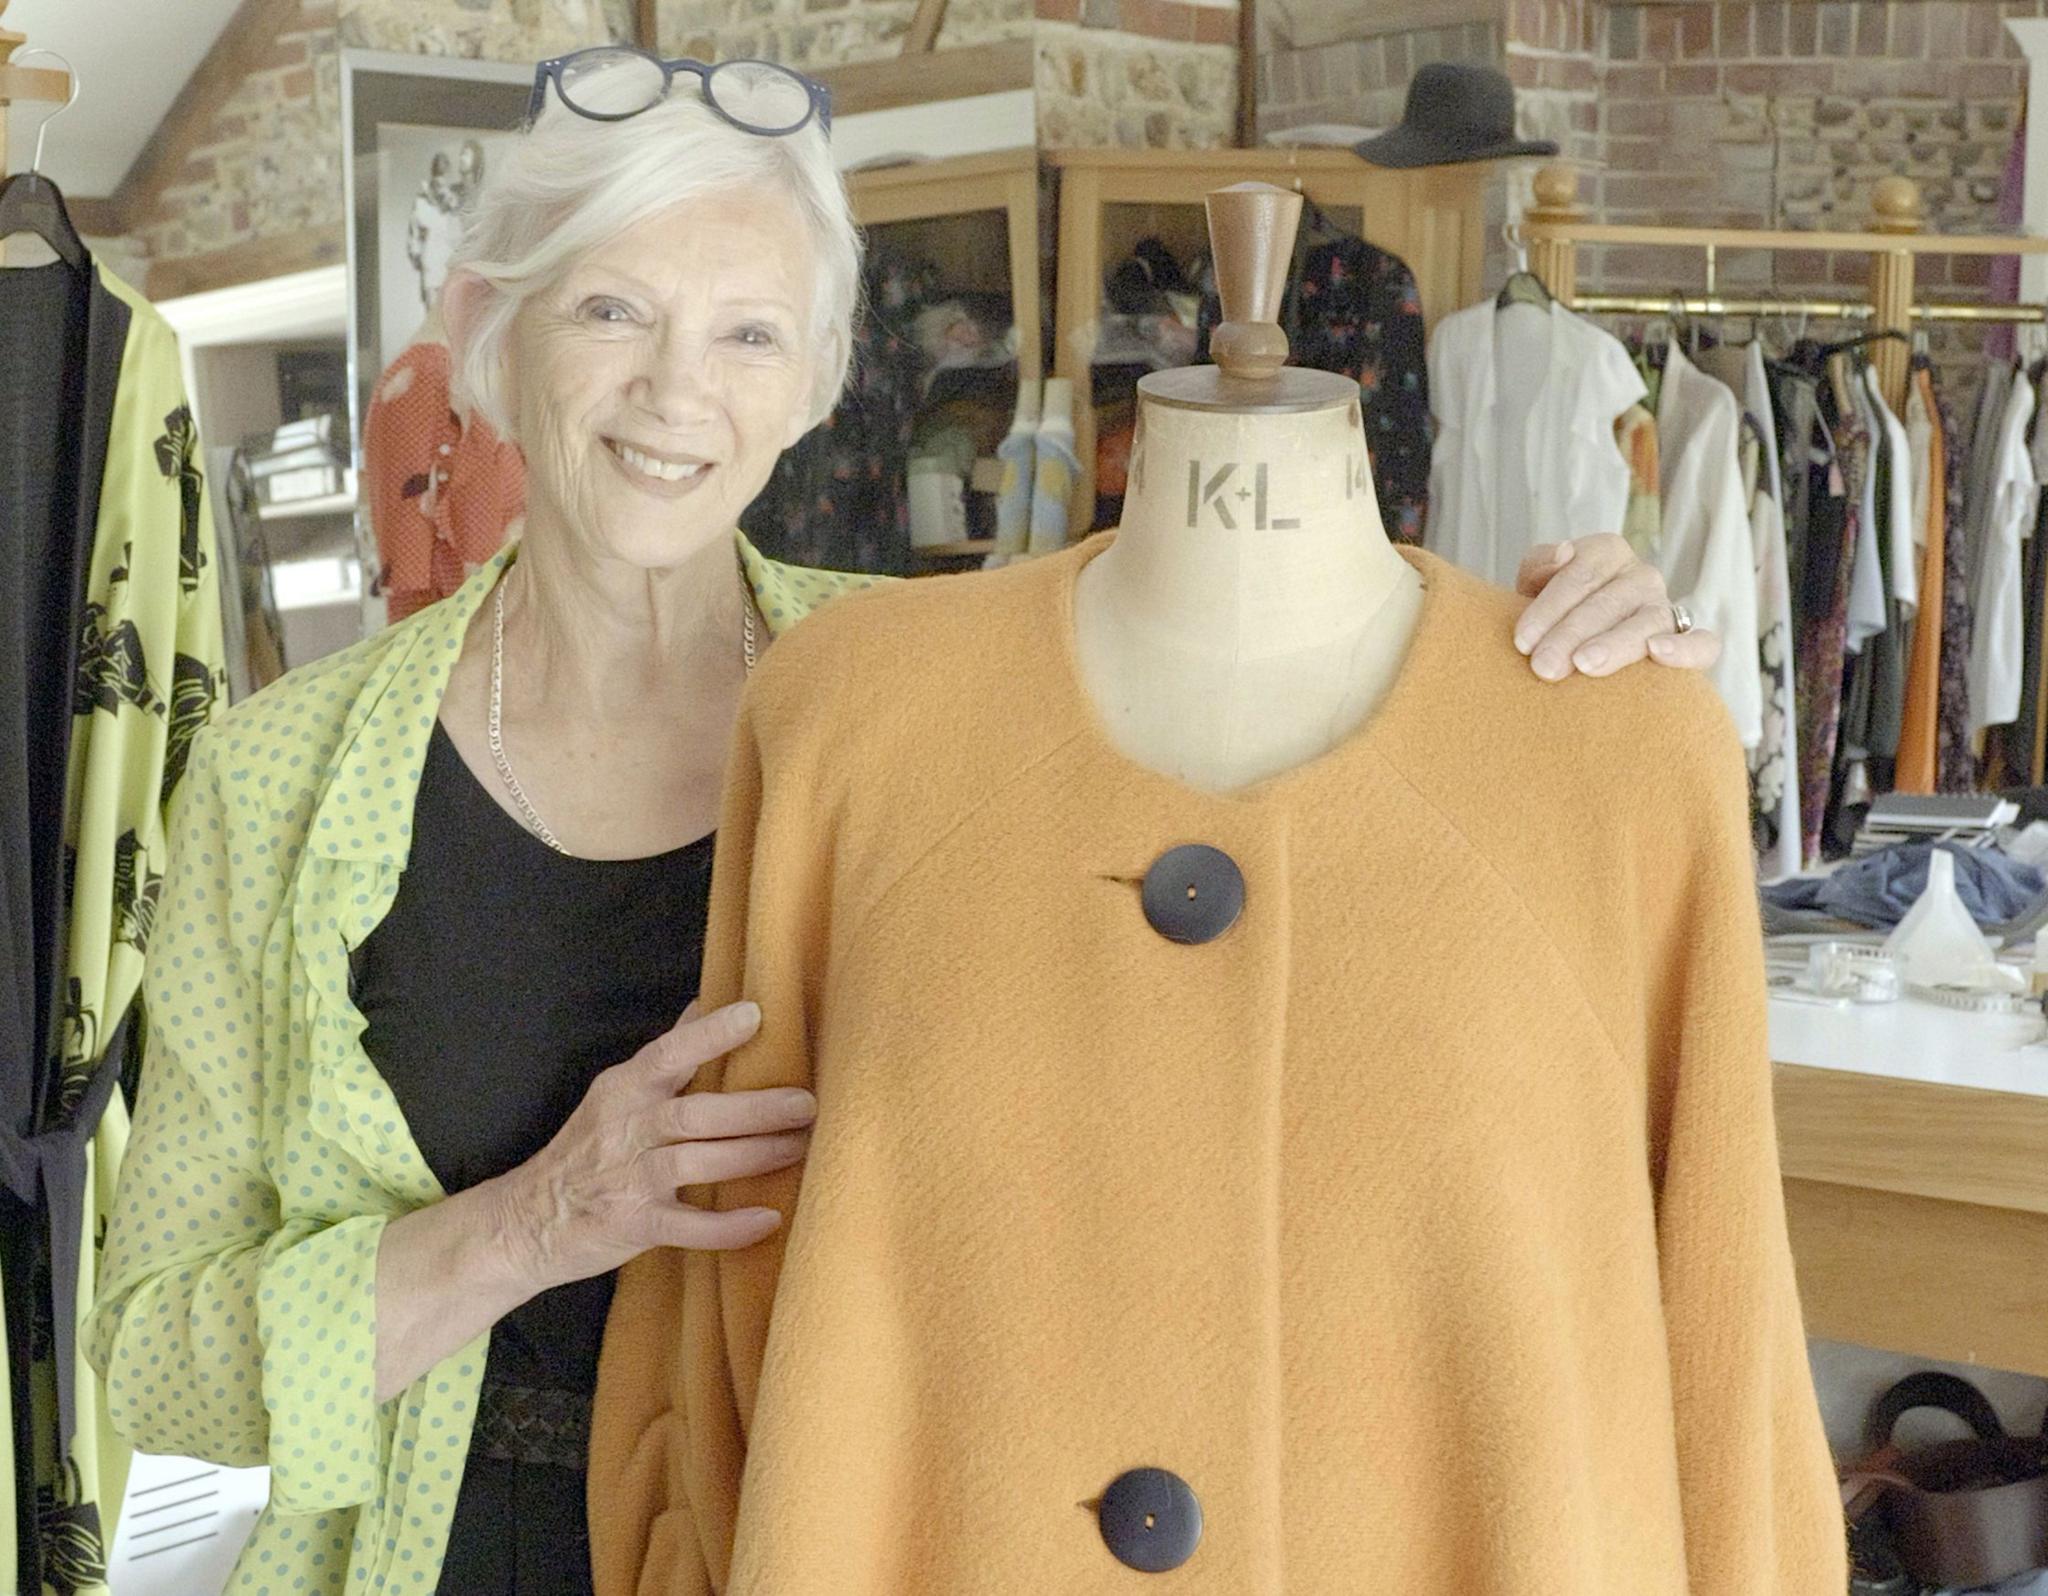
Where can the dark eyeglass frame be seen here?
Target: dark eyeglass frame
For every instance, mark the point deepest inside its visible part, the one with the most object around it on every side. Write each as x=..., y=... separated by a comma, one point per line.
x=550, y=71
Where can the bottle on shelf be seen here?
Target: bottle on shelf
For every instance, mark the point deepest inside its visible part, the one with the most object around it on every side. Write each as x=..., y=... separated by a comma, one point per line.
x=1056, y=464
x=1018, y=452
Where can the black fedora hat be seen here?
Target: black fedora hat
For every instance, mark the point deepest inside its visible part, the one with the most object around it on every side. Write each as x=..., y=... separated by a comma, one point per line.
x=1454, y=113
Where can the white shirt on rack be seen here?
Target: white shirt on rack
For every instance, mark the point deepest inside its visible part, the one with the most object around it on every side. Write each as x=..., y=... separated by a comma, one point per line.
x=1998, y=640
x=1708, y=553
x=1898, y=514
x=1525, y=401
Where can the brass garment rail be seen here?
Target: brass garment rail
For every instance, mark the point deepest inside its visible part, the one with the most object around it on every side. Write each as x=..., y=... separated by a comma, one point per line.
x=1556, y=226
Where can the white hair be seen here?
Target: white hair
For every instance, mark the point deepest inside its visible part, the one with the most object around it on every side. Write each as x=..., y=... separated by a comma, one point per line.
x=571, y=183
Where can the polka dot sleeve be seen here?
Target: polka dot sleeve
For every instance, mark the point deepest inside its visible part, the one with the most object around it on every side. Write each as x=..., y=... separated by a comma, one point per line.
x=224, y=1332
x=175, y=1329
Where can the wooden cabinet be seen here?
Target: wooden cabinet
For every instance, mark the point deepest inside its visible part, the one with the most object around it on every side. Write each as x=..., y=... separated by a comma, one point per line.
x=1919, y=1214
x=976, y=218
x=1433, y=218
x=923, y=205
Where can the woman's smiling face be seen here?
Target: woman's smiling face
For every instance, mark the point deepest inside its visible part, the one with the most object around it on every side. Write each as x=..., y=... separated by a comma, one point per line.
x=655, y=383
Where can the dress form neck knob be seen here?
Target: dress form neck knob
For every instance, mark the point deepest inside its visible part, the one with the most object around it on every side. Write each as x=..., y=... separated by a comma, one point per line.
x=1251, y=236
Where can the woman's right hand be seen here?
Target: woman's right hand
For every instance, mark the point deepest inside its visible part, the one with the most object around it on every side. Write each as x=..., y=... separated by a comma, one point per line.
x=605, y=1189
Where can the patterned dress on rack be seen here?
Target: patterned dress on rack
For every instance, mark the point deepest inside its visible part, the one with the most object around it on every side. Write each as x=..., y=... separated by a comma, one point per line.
x=1956, y=764
x=1833, y=522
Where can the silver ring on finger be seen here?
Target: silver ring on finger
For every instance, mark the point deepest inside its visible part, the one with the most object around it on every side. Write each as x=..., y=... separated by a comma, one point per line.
x=1681, y=619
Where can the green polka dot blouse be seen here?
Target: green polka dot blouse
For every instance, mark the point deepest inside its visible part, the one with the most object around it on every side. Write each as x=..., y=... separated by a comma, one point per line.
x=236, y=1319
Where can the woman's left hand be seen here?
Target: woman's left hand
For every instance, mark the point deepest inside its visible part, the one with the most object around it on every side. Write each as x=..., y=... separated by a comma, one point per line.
x=1596, y=607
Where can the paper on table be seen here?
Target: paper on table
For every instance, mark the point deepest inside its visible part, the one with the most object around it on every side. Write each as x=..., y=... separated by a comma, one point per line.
x=183, y=1525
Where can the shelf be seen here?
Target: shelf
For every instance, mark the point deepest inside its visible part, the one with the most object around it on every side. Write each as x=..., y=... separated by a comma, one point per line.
x=942, y=191
x=343, y=503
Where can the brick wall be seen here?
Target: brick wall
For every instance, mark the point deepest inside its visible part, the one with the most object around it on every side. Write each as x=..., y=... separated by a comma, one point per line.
x=1553, y=59
x=1362, y=80
x=1789, y=114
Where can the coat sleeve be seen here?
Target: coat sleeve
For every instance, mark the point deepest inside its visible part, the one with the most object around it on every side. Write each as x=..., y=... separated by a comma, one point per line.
x=175, y=1327
x=1761, y=1510
x=682, y=1352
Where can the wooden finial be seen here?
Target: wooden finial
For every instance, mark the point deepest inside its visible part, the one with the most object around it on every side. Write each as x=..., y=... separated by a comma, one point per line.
x=27, y=83
x=1895, y=206
x=1556, y=191
x=1251, y=235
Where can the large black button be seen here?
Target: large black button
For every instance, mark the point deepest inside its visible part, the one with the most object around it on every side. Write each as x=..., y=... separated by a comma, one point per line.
x=1193, y=894
x=1150, y=1520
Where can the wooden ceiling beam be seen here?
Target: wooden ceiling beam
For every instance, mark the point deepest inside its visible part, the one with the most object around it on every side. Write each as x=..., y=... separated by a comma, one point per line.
x=243, y=263
x=243, y=47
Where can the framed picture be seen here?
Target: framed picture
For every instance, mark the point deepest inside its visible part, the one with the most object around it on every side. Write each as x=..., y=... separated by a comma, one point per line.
x=418, y=135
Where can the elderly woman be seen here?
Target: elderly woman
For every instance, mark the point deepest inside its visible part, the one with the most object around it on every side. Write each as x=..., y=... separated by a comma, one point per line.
x=435, y=906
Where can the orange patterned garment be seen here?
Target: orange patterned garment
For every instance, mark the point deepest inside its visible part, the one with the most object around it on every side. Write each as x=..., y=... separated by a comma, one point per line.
x=443, y=492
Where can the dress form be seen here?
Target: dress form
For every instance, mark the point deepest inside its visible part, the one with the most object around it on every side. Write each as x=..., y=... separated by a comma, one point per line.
x=1252, y=611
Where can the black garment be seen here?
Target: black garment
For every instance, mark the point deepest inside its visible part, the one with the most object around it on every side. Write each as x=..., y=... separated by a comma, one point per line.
x=839, y=498
x=61, y=340
x=503, y=980
x=1874, y=697
x=1354, y=309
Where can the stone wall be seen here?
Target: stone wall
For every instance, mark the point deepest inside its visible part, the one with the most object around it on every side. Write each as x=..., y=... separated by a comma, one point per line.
x=814, y=34
x=269, y=165
x=1141, y=74
x=267, y=178
x=488, y=30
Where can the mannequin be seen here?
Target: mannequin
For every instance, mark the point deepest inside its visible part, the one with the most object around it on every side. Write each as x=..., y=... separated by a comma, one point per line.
x=1362, y=1182
x=1252, y=611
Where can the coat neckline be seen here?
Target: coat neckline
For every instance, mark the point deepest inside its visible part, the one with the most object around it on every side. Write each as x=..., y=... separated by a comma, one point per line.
x=1421, y=699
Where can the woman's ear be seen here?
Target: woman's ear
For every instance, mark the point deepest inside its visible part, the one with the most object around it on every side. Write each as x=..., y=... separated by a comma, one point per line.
x=464, y=298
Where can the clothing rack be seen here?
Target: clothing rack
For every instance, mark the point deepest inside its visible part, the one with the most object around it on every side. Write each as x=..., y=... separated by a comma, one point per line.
x=1556, y=225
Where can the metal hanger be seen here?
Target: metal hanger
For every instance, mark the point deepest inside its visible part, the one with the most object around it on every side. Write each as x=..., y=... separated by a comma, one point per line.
x=30, y=202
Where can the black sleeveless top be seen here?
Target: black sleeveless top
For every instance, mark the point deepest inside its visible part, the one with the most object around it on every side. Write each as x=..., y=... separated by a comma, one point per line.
x=503, y=980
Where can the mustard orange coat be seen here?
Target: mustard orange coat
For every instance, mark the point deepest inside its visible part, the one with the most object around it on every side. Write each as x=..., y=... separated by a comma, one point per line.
x=1428, y=1223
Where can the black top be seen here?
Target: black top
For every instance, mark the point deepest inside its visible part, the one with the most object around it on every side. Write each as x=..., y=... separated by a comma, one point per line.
x=63, y=335
x=503, y=980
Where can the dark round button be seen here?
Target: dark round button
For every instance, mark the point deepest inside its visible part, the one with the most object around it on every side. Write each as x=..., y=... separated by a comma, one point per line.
x=1193, y=894
x=1150, y=1520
